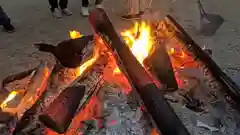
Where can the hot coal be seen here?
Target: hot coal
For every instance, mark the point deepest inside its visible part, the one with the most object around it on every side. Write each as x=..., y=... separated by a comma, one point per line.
x=69, y=52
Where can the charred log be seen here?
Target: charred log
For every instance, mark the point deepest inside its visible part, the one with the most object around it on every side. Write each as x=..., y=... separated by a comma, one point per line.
x=60, y=113
x=153, y=98
x=229, y=86
x=159, y=64
x=68, y=52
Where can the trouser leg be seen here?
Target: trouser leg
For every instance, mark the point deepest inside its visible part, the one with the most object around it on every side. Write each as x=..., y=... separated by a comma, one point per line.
x=98, y=2
x=4, y=19
x=134, y=6
x=53, y=4
x=143, y=4
x=63, y=4
x=85, y=3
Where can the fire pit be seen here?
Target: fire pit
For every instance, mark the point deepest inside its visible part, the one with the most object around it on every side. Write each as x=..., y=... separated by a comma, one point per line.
x=192, y=94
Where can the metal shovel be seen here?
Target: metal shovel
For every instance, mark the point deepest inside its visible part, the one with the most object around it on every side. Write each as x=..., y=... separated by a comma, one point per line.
x=209, y=23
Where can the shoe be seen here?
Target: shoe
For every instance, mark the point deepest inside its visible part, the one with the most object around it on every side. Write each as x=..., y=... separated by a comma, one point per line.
x=9, y=28
x=66, y=12
x=85, y=11
x=131, y=16
x=57, y=14
x=99, y=6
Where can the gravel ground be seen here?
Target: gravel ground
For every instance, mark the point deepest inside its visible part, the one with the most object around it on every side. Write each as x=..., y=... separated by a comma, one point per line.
x=34, y=23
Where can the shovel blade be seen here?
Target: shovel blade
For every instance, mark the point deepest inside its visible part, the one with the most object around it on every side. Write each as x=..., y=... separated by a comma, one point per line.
x=210, y=23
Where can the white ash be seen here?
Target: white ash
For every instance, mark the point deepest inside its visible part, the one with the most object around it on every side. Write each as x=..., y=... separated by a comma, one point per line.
x=120, y=118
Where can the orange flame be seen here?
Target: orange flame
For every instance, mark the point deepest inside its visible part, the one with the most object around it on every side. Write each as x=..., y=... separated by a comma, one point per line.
x=140, y=46
x=88, y=63
x=10, y=97
x=75, y=34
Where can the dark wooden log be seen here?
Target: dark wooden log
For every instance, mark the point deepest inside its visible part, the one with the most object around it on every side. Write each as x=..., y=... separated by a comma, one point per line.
x=153, y=98
x=159, y=64
x=229, y=86
x=59, y=114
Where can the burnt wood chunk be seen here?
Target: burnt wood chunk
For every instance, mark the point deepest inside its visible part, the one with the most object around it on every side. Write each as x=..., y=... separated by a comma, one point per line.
x=159, y=64
x=58, y=116
x=68, y=52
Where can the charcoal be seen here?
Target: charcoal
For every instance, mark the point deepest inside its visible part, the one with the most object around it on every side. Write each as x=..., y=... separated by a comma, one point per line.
x=160, y=65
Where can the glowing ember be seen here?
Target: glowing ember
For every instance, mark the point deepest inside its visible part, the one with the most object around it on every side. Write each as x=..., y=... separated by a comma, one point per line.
x=87, y=64
x=10, y=97
x=139, y=40
x=75, y=34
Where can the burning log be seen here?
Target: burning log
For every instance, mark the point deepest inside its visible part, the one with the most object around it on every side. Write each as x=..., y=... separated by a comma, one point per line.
x=229, y=86
x=27, y=106
x=59, y=114
x=153, y=98
x=36, y=87
x=160, y=65
x=4, y=91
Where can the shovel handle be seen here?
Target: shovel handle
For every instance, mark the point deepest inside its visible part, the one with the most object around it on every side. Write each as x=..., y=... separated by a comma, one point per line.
x=201, y=9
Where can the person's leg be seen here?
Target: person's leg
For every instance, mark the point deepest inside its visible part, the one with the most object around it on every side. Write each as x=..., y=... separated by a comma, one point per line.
x=98, y=3
x=63, y=5
x=85, y=4
x=54, y=8
x=134, y=10
x=53, y=4
x=5, y=21
x=143, y=6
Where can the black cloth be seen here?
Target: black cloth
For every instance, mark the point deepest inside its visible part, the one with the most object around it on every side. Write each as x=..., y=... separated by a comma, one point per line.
x=85, y=3
x=4, y=19
x=54, y=4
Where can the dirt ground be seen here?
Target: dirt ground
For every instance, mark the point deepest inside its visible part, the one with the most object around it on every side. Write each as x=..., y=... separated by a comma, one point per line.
x=34, y=23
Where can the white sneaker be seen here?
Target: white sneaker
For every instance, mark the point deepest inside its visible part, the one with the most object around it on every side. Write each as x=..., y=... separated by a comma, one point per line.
x=99, y=6
x=66, y=12
x=85, y=11
x=57, y=14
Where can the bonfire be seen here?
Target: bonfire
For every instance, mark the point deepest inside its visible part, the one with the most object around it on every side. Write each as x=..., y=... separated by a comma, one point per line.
x=112, y=102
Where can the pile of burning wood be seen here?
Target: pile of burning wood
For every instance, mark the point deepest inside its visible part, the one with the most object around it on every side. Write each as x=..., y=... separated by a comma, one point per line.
x=156, y=81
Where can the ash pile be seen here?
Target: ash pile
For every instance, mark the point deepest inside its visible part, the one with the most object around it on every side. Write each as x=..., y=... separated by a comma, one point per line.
x=163, y=83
